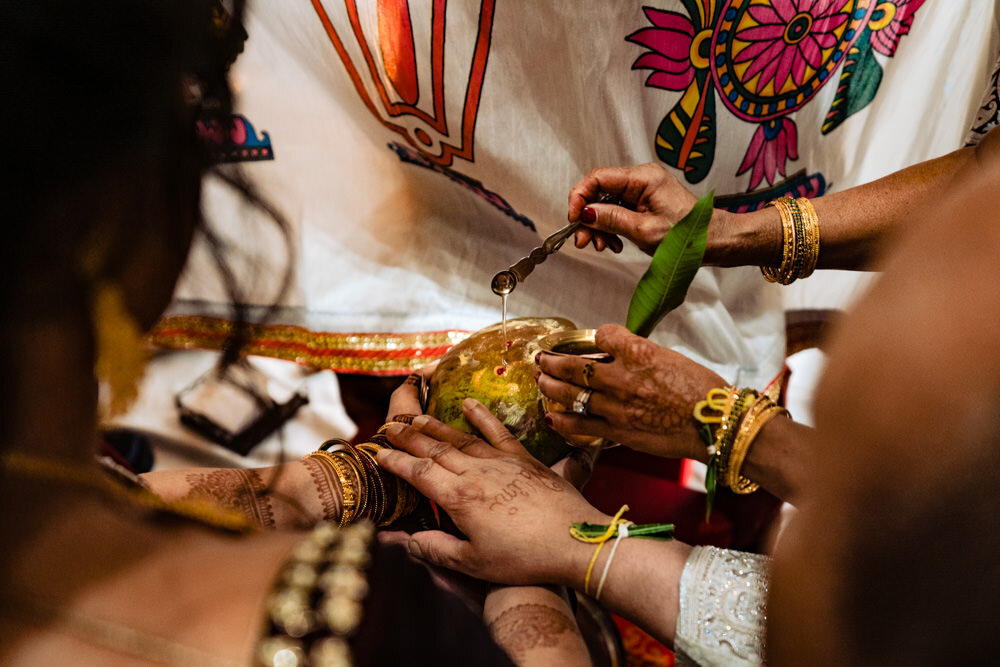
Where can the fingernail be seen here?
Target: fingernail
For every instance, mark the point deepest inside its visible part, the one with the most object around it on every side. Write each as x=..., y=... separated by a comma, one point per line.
x=395, y=428
x=420, y=421
x=548, y=420
x=469, y=403
x=413, y=547
x=538, y=374
x=588, y=214
x=538, y=357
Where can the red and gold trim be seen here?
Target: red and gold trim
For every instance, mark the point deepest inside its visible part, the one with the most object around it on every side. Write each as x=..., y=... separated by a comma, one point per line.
x=365, y=353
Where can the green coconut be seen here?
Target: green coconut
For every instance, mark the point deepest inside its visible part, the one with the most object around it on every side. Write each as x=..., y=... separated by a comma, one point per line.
x=500, y=374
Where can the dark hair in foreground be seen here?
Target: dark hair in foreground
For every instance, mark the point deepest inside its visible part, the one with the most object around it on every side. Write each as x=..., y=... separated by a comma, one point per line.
x=112, y=87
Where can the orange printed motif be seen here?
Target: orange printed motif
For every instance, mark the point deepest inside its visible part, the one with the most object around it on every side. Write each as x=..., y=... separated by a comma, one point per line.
x=392, y=89
x=395, y=34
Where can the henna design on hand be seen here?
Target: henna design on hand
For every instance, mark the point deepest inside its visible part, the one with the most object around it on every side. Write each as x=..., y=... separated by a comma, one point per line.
x=324, y=478
x=236, y=490
x=521, y=485
x=529, y=626
x=658, y=402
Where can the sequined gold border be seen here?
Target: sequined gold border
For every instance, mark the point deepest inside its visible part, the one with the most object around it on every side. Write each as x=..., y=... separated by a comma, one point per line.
x=365, y=353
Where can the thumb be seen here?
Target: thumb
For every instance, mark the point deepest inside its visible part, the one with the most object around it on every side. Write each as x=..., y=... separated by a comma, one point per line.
x=439, y=548
x=613, y=219
x=613, y=338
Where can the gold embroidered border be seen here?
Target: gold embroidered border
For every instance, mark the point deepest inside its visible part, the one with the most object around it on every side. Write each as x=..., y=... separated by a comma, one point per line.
x=366, y=353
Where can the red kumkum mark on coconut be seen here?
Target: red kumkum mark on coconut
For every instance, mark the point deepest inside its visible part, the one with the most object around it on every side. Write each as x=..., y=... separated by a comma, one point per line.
x=501, y=370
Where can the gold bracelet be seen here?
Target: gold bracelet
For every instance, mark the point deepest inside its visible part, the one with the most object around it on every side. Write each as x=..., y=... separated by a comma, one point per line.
x=773, y=274
x=349, y=497
x=367, y=502
x=731, y=415
x=811, y=222
x=371, y=450
x=379, y=493
x=759, y=414
x=800, y=241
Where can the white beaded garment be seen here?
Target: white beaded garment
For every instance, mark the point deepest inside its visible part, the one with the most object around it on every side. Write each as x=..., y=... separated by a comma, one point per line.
x=722, y=608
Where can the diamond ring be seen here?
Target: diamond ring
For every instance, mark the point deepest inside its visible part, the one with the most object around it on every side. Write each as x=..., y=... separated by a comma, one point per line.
x=581, y=401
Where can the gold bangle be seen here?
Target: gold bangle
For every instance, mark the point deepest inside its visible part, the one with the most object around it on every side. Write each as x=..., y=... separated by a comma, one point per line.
x=811, y=222
x=349, y=498
x=351, y=456
x=759, y=414
x=405, y=494
x=741, y=444
x=731, y=415
x=800, y=241
x=381, y=496
x=776, y=274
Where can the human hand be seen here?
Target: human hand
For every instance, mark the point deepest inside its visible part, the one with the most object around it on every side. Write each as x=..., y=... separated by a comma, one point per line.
x=577, y=466
x=514, y=511
x=652, y=201
x=644, y=398
x=405, y=401
x=470, y=590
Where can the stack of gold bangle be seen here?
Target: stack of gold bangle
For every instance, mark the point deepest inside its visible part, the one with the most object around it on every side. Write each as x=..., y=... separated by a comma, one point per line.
x=742, y=415
x=759, y=413
x=800, y=241
x=368, y=492
x=725, y=435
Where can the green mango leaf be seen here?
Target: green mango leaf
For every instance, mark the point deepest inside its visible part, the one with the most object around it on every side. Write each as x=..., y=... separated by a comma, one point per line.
x=676, y=260
x=711, y=483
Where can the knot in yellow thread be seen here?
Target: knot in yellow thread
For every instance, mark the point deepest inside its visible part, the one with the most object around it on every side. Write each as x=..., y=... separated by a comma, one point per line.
x=715, y=400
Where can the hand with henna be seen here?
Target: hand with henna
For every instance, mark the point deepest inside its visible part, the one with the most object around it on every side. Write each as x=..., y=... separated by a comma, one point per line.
x=644, y=398
x=514, y=511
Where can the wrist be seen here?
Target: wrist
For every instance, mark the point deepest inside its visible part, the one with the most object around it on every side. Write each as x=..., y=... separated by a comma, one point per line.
x=576, y=555
x=744, y=239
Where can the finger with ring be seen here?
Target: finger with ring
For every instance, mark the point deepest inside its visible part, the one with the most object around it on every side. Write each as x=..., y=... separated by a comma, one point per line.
x=582, y=401
x=577, y=370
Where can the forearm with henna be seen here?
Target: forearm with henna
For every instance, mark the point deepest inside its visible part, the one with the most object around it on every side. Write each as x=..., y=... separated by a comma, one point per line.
x=293, y=495
x=534, y=625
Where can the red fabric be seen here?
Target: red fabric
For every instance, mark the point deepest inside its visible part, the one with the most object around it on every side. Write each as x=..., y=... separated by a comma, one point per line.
x=643, y=650
x=651, y=488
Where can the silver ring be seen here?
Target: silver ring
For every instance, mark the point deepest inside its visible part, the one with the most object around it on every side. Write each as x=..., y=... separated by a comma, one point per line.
x=581, y=402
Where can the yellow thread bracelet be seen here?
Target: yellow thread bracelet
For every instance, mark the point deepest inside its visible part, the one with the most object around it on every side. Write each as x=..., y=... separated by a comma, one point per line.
x=600, y=540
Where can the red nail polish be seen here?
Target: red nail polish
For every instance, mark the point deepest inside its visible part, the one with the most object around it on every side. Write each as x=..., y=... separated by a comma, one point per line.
x=588, y=214
x=538, y=374
x=548, y=420
x=538, y=357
